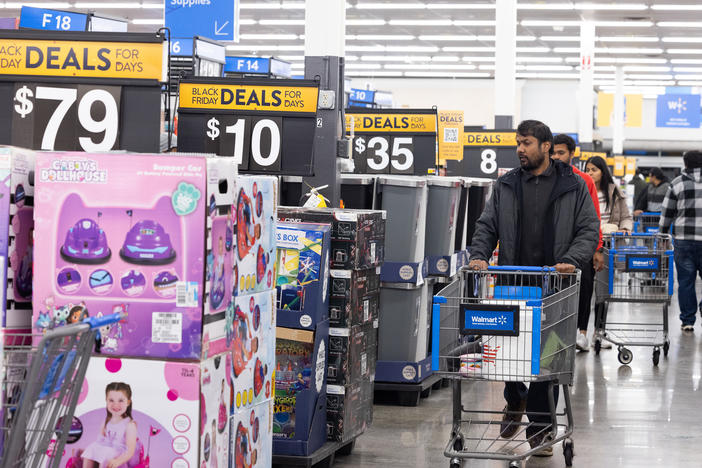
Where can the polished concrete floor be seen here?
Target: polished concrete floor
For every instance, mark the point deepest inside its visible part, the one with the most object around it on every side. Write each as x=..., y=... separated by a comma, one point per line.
x=625, y=416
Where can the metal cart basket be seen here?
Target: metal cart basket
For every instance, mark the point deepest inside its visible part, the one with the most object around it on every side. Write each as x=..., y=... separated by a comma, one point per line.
x=638, y=269
x=526, y=321
x=647, y=222
x=41, y=386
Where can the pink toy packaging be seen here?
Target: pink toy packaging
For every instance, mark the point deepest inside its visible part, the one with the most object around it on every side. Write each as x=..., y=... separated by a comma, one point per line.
x=253, y=353
x=16, y=237
x=256, y=206
x=252, y=437
x=176, y=418
x=123, y=232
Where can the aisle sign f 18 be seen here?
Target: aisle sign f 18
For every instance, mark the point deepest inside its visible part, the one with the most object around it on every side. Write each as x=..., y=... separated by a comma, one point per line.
x=486, y=154
x=393, y=141
x=267, y=125
x=80, y=91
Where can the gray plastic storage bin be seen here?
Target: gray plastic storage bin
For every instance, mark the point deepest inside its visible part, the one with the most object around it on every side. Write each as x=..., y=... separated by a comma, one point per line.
x=443, y=197
x=462, y=216
x=405, y=200
x=357, y=191
x=402, y=331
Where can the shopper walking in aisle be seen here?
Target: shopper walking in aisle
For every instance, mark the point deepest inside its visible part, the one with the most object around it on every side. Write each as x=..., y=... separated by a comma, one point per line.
x=639, y=183
x=655, y=192
x=682, y=208
x=614, y=215
x=541, y=214
x=564, y=151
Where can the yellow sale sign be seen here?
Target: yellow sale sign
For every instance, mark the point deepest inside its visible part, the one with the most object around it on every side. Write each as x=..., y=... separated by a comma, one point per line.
x=450, y=135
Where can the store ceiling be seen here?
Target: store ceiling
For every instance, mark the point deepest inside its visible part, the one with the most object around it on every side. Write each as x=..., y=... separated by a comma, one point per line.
x=658, y=43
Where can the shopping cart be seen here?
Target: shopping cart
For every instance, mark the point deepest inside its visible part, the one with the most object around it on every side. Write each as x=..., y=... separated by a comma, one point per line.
x=527, y=320
x=647, y=222
x=638, y=269
x=41, y=386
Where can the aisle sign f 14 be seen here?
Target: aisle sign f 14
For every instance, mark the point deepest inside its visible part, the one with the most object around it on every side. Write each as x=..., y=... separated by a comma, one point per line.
x=216, y=19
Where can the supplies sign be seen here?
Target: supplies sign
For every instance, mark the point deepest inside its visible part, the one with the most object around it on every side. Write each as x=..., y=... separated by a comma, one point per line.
x=142, y=61
x=486, y=154
x=266, y=125
x=388, y=141
x=450, y=135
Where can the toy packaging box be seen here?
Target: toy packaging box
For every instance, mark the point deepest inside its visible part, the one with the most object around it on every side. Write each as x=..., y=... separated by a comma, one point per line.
x=16, y=237
x=253, y=350
x=302, y=274
x=255, y=232
x=123, y=233
x=300, y=395
x=358, y=236
x=349, y=410
x=220, y=254
x=353, y=353
x=177, y=412
x=354, y=297
x=252, y=437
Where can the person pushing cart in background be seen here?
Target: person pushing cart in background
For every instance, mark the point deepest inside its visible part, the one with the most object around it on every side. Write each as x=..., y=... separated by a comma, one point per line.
x=541, y=214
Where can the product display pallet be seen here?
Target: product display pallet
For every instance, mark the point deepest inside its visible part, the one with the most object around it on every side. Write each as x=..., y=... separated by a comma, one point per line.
x=322, y=458
x=406, y=394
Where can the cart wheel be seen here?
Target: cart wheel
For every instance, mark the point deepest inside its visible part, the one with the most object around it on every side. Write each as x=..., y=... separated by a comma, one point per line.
x=515, y=464
x=656, y=356
x=347, y=449
x=426, y=393
x=568, y=452
x=458, y=444
x=666, y=347
x=455, y=463
x=625, y=356
x=598, y=347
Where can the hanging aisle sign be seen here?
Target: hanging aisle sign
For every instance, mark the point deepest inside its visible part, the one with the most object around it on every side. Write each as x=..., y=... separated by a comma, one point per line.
x=80, y=91
x=393, y=141
x=486, y=154
x=267, y=125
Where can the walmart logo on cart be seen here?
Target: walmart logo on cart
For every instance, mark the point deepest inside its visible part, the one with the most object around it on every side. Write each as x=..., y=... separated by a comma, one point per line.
x=501, y=320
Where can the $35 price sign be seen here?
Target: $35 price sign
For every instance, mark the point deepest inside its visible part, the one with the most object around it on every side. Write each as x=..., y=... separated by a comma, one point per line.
x=66, y=117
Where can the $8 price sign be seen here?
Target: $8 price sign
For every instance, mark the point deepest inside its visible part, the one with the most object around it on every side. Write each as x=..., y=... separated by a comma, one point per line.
x=383, y=154
x=254, y=142
x=78, y=117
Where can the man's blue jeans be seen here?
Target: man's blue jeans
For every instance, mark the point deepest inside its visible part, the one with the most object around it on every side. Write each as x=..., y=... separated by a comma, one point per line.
x=688, y=263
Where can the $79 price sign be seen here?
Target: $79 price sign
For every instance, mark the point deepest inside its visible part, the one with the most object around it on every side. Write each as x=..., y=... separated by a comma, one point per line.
x=55, y=117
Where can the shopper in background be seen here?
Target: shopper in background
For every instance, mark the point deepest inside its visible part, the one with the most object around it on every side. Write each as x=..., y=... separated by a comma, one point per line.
x=682, y=208
x=655, y=192
x=541, y=214
x=640, y=184
x=564, y=151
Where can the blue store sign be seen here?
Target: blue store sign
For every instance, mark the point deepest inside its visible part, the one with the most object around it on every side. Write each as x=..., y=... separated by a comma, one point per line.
x=678, y=110
x=52, y=20
x=215, y=19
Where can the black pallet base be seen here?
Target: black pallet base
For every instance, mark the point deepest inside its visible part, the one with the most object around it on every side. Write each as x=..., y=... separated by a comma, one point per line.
x=405, y=394
x=322, y=458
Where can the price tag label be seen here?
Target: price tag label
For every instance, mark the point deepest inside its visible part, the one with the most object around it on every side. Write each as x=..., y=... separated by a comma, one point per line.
x=393, y=142
x=267, y=126
x=486, y=154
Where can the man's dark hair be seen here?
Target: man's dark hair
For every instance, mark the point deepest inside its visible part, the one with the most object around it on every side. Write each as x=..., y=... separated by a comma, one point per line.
x=692, y=159
x=538, y=130
x=563, y=139
x=658, y=174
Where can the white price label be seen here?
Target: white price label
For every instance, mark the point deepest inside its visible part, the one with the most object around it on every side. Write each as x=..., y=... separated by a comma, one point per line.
x=167, y=327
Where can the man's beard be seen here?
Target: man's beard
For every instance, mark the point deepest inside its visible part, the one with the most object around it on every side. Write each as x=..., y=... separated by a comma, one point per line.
x=530, y=165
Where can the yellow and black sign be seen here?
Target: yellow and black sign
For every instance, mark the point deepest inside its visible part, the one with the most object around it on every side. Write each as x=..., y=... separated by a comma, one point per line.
x=450, y=135
x=490, y=138
x=129, y=60
x=245, y=97
x=396, y=122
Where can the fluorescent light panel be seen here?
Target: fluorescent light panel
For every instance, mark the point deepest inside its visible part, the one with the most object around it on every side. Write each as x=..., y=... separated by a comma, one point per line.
x=428, y=66
x=663, y=6
x=380, y=37
x=680, y=24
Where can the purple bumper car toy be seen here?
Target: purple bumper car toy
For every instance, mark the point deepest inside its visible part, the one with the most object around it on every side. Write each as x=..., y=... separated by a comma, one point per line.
x=147, y=243
x=86, y=243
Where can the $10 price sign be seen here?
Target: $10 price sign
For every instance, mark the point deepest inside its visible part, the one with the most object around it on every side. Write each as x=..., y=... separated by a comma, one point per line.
x=388, y=141
x=265, y=125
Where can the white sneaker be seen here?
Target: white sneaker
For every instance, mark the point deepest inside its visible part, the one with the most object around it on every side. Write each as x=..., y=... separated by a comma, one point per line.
x=581, y=343
x=605, y=345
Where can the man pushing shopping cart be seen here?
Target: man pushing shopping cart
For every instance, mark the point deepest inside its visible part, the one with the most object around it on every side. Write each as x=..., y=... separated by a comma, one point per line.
x=541, y=214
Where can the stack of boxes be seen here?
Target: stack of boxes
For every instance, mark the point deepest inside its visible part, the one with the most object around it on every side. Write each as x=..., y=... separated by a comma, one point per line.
x=184, y=248
x=357, y=252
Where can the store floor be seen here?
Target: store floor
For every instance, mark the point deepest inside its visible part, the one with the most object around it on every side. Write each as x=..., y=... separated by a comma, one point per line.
x=625, y=416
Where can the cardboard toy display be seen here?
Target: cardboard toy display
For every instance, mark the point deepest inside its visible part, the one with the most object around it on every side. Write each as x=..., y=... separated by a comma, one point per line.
x=354, y=297
x=303, y=274
x=16, y=237
x=251, y=437
x=358, y=236
x=178, y=416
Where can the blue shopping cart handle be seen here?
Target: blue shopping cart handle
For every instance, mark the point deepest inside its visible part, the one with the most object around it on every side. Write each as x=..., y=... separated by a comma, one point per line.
x=521, y=268
x=634, y=234
x=650, y=213
x=97, y=322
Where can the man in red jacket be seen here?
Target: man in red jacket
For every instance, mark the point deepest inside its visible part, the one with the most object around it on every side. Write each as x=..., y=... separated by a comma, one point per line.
x=564, y=150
